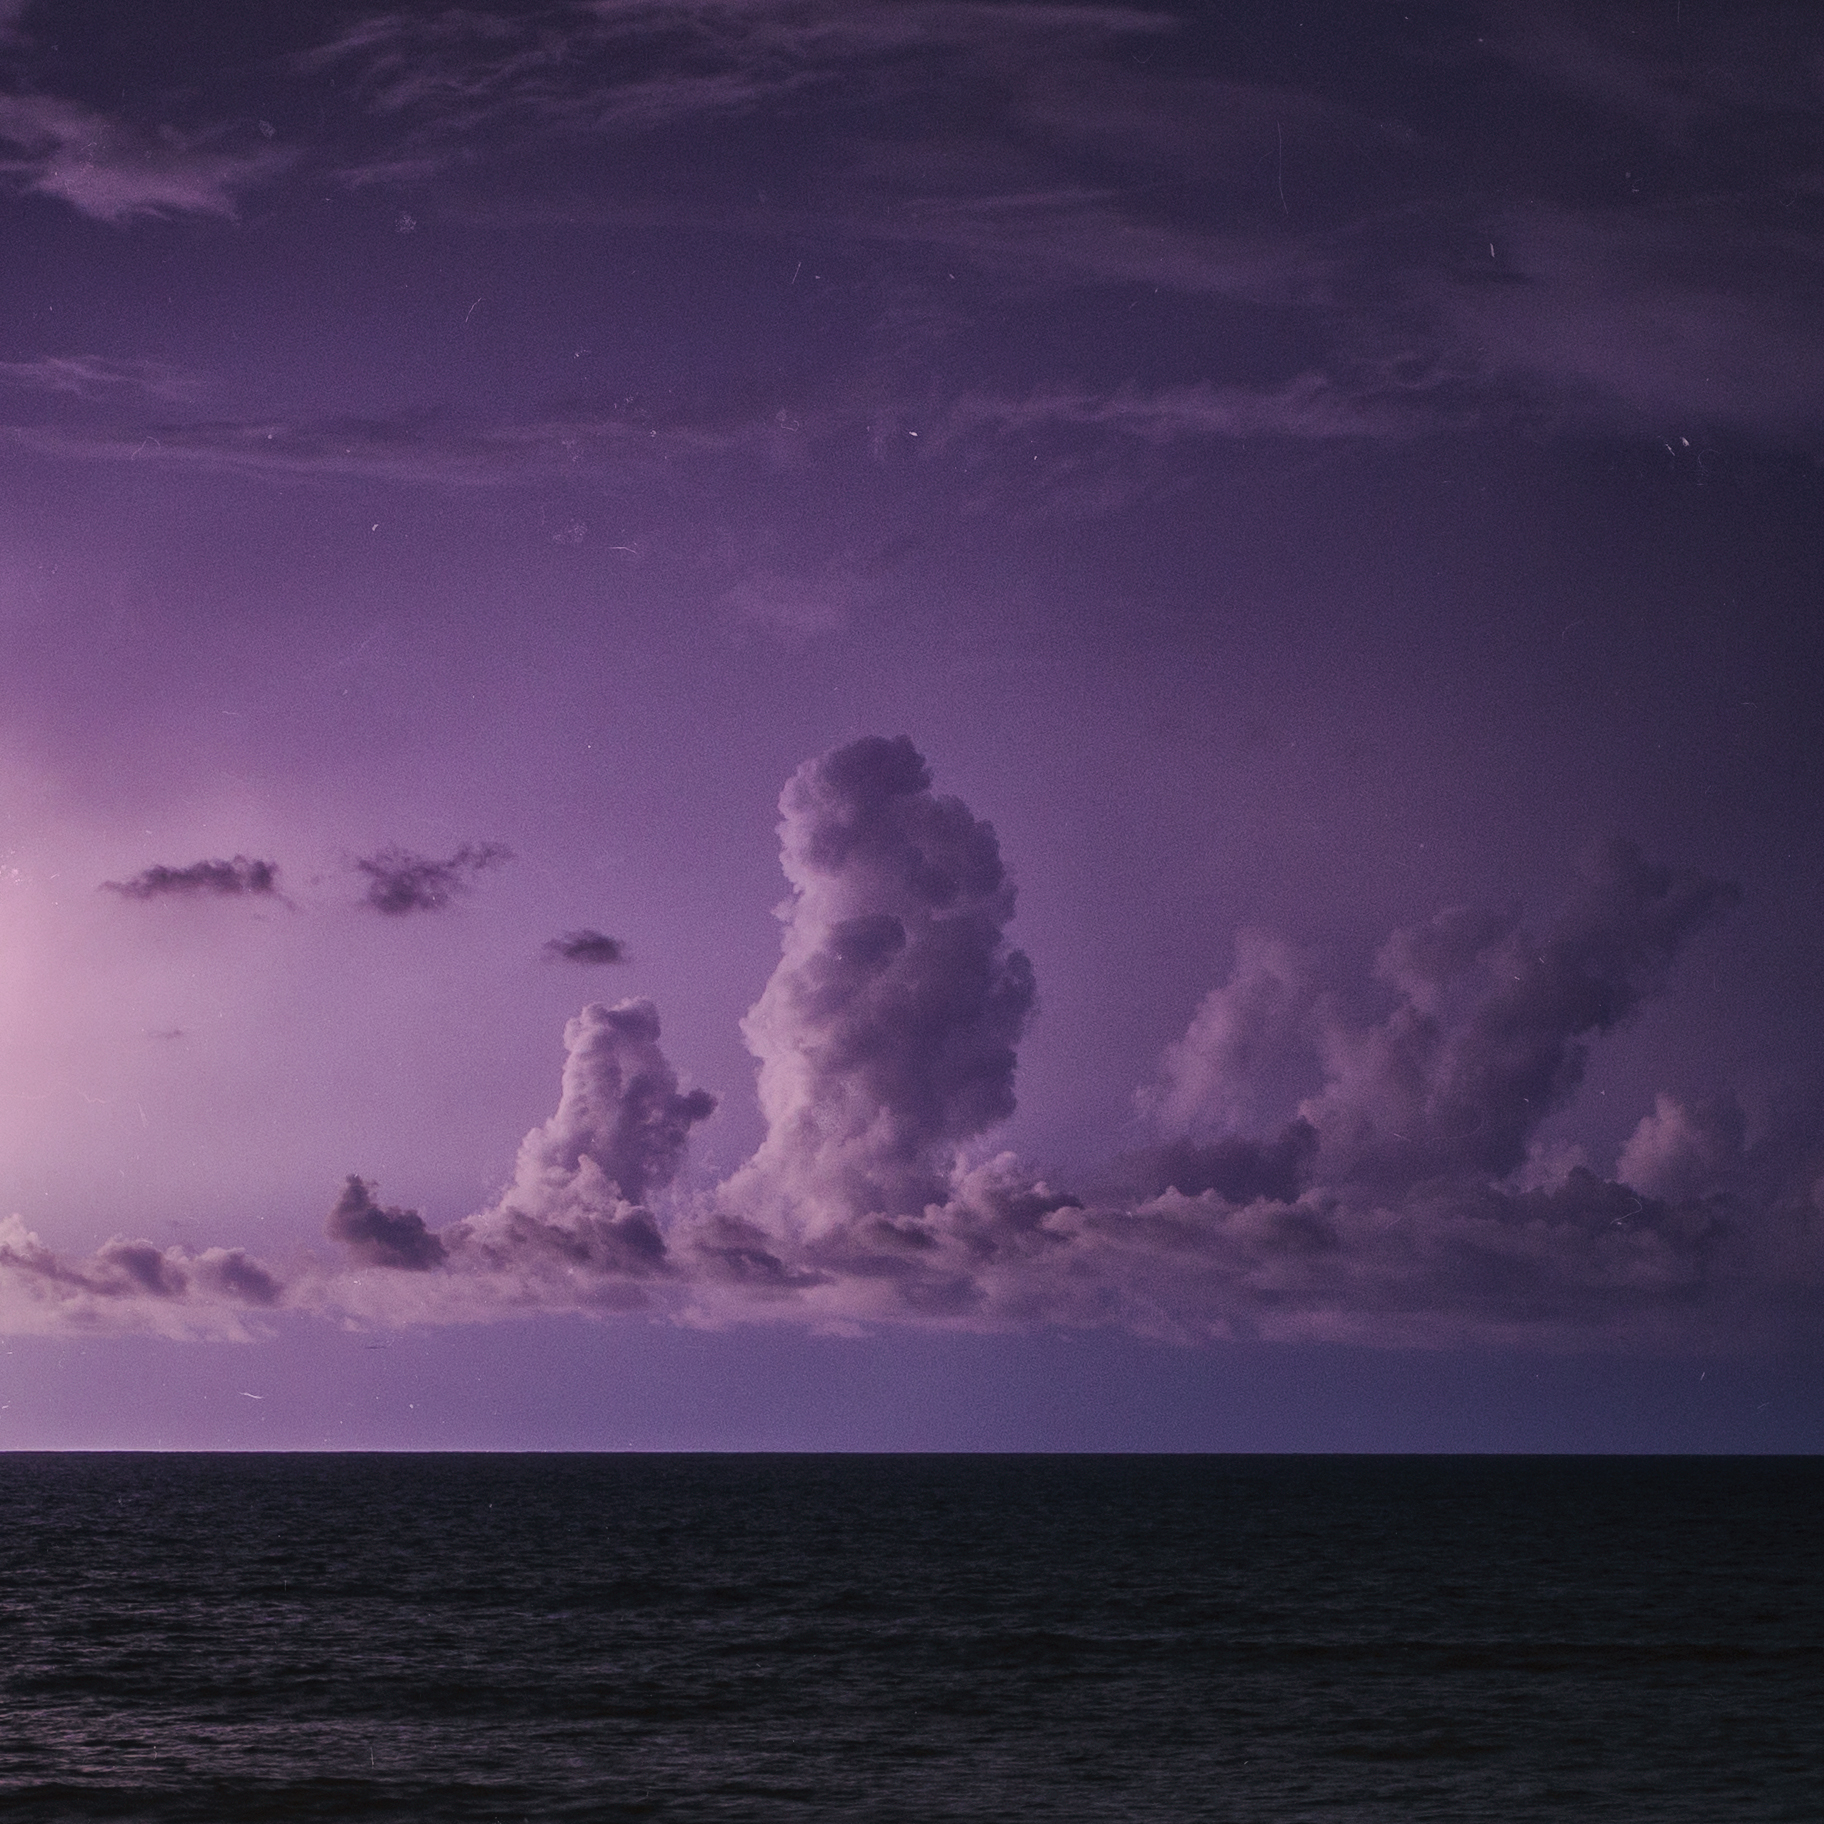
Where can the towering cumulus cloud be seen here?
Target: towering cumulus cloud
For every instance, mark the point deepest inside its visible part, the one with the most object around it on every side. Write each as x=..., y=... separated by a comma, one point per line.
x=1403, y=1201
x=1329, y=1162
x=1317, y=1174
x=1490, y=1033
x=886, y=1035
x=572, y=1230
x=621, y=1119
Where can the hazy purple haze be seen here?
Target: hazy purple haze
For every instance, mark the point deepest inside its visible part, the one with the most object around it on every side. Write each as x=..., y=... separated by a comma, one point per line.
x=1256, y=572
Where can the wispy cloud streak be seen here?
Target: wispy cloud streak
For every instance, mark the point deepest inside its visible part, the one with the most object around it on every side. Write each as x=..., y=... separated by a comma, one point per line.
x=417, y=449
x=98, y=377
x=1407, y=249
x=618, y=66
x=117, y=173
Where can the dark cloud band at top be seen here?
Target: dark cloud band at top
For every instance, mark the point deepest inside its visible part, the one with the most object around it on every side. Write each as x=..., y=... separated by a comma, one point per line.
x=1575, y=293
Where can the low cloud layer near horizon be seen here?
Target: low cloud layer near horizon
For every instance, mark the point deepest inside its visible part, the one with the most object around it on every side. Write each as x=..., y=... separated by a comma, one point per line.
x=1328, y=1162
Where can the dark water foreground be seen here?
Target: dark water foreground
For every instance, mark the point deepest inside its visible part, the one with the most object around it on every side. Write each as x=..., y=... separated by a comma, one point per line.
x=1021, y=1638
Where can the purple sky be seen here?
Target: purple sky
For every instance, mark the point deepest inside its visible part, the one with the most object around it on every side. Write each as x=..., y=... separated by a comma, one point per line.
x=1271, y=553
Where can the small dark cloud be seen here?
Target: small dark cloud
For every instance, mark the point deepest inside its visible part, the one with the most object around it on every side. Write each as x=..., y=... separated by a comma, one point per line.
x=399, y=881
x=382, y=1237
x=239, y=876
x=585, y=946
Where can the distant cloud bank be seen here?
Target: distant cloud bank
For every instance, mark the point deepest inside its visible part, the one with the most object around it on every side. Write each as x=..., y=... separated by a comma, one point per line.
x=1405, y=1201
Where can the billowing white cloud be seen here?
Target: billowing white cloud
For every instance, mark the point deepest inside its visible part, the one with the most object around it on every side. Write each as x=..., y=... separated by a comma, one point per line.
x=621, y=1121
x=1392, y=1205
x=1682, y=1152
x=887, y=1035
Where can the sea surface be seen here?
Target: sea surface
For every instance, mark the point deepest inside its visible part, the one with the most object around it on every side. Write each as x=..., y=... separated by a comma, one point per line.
x=1254, y=1639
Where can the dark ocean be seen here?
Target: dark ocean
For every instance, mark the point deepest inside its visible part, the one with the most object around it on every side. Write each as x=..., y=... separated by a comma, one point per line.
x=1021, y=1638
